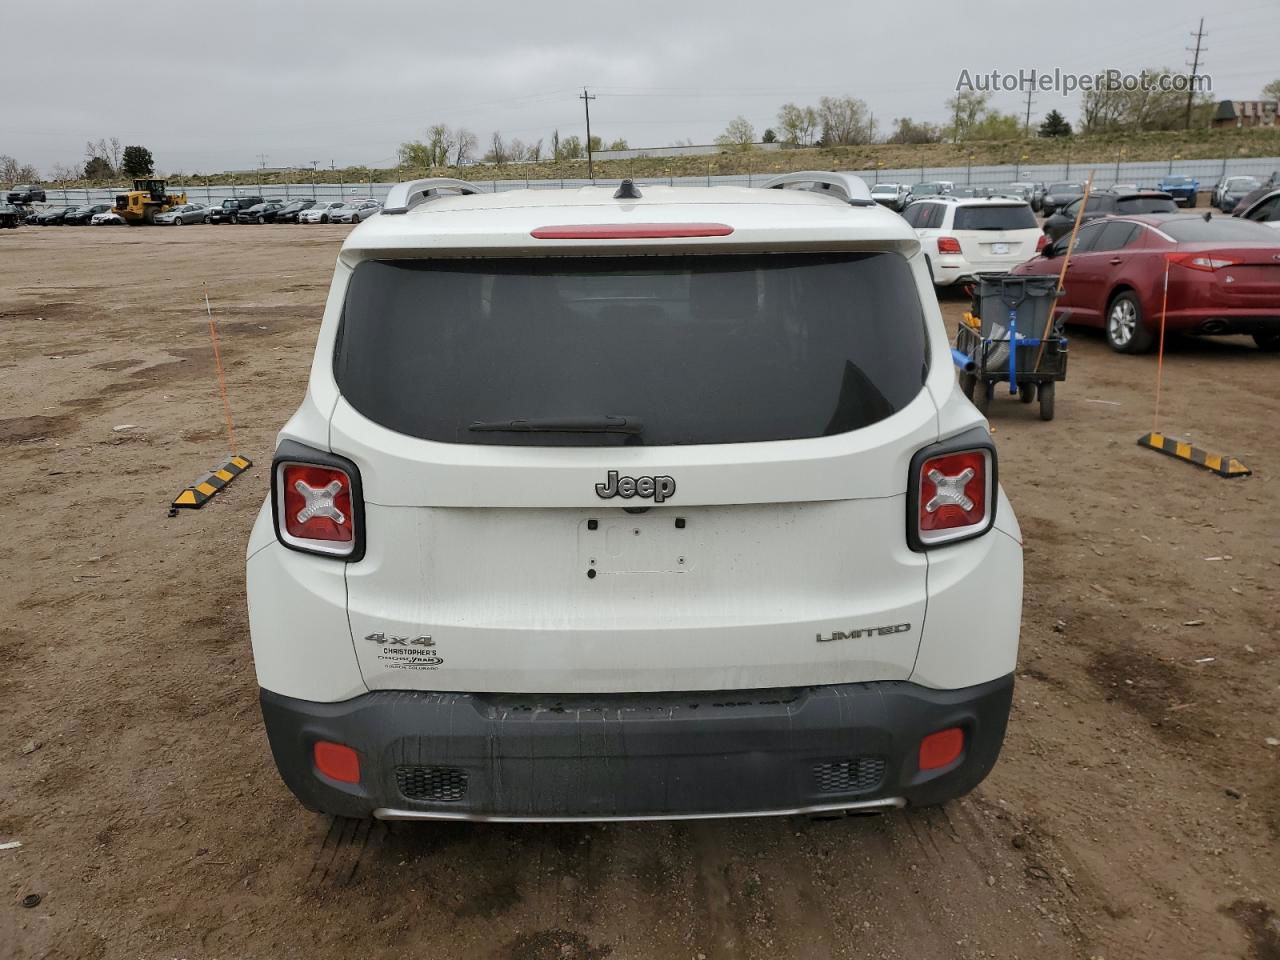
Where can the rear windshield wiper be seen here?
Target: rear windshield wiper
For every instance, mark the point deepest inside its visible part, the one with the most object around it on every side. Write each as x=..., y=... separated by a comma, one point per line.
x=631, y=425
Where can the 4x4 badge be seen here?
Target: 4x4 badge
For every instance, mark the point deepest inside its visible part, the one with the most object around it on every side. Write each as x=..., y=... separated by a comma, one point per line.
x=656, y=489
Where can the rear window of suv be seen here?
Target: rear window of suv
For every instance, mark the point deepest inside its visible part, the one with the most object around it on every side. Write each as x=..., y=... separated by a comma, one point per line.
x=702, y=349
x=1011, y=217
x=1131, y=205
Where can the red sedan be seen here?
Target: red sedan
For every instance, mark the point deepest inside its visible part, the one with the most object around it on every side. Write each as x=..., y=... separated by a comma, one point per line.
x=1224, y=277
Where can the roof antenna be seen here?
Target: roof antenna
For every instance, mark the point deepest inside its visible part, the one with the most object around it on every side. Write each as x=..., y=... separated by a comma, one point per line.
x=627, y=191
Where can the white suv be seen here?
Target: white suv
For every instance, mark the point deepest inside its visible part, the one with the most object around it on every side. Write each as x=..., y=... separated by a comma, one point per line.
x=964, y=238
x=654, y=503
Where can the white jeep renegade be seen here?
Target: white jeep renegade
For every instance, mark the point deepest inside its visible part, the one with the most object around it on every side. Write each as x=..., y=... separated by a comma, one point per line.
x=654, y=503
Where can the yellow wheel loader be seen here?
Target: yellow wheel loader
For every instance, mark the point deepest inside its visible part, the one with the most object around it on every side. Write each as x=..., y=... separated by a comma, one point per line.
x=147, y=199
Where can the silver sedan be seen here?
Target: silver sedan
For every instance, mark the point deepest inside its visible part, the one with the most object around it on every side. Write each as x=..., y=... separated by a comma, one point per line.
x=185, y=213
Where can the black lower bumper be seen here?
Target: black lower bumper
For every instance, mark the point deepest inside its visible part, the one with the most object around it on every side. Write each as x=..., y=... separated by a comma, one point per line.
x=726, y=753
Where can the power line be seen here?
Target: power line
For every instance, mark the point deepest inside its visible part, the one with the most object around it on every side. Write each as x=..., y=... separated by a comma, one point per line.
x=1195, y=66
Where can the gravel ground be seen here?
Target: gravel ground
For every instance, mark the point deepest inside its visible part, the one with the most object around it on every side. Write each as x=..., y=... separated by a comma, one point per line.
x=1135, y=811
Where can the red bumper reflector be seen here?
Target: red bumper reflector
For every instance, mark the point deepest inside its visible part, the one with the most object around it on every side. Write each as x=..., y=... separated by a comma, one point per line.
x=941, y=749
x=630, y=231
x=337, y=761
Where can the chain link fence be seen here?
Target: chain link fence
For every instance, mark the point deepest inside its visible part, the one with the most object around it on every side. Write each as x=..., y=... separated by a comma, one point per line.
x=1142, y=174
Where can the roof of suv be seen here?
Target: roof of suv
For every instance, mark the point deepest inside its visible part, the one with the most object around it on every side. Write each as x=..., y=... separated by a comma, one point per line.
x=757, y=217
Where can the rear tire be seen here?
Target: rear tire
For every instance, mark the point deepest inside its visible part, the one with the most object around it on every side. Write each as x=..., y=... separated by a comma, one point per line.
x=1046, y=400
x=1027, y=392
x=261, y=219
x=1125, y=330
x=968, y=383
x=1269, y=342
x=1194, y=199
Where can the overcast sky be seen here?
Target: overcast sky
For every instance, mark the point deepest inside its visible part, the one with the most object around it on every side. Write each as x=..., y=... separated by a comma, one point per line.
x=209, y=87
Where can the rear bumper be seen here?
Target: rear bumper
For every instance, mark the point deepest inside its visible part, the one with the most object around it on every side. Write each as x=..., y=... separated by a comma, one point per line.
x=1215, y=321
x=637, y=756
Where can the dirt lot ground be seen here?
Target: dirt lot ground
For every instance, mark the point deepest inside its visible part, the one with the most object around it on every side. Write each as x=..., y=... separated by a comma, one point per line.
x=1135, y=811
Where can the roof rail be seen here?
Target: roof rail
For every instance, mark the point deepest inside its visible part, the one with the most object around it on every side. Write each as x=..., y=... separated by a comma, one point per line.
x=405, y=196
x=854, y=188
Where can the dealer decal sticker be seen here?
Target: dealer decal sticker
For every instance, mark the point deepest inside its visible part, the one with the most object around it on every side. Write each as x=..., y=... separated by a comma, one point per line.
x=406, y=653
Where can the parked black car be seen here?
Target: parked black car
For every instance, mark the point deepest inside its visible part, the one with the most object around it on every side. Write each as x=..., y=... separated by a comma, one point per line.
x=82, y=215
x=31, y=215
x=1108, y=204
x=47, y=218
x=289, y=213
x=229, y=209
x=263, y=212
x=1059, y=195
x=10, y=216
x=25, y=193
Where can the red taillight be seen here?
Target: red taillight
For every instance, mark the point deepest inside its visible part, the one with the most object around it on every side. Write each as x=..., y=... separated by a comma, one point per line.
x=315, y=509
x=630, y=231
x=1200, y=261
x=948, y=245
x=1042, y=242
x=941, y=749
x=954, y=494
x=337, y=761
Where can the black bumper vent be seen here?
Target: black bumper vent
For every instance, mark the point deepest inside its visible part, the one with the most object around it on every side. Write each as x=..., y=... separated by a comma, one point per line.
x=433, y=784
x=857, y=775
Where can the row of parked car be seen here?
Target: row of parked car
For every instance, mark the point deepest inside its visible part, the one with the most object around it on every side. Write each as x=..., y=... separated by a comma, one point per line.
x=230, y=210
x=1223, y=277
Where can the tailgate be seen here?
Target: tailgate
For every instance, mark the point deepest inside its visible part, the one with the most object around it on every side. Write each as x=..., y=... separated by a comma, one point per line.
x=735, y=597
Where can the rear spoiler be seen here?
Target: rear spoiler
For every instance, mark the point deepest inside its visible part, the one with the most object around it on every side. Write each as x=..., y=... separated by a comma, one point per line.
x=854, y=189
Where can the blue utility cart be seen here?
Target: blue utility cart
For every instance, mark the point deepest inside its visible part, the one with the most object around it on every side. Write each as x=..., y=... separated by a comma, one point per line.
x=1000, y=342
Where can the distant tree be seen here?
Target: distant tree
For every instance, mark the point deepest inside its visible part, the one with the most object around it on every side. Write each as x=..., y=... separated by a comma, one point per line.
x=686, y=142
x=739, y=133
x=966, y=108
x=137, y=162
x=534, y=151
x=996, y=126
x=798, y=124
x=98, y=168
x=596, y=144
x=571, y=148
x=555, y=144
x=464, y=146
x=11, y=171
x=1106, y=109
x=844, y=120
x=497, y=150
x=1055, y=125
x=619, y=144
x=769, y=136
x=1271, y=91
x=64, y=171
x=906, y=130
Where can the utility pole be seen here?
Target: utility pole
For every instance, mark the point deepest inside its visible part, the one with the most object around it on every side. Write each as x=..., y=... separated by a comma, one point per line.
x=586, y=105
x=1195, y=67
x=1026, y=123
